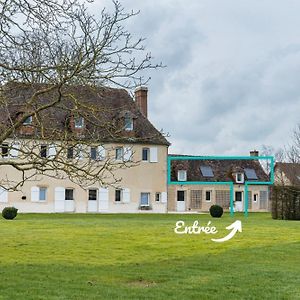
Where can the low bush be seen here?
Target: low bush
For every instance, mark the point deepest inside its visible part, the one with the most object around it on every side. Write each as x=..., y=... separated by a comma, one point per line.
x=9, y=213
x=216, y=211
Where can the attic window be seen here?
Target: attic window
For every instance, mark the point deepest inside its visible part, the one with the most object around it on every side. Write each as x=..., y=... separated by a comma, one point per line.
x=251, y=174
x=181, y=175
x=79, y=122
x=206, y=171
x=239, y=178
x=28, y=121
x=128, y=120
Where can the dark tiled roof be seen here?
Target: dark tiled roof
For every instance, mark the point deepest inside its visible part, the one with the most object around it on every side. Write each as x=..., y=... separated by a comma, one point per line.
x=222, y=169
x=291, y=171
x=102, y=105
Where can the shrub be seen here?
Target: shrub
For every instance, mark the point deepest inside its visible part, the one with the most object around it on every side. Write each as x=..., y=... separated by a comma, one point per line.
x=9, y=213
x=216, y=211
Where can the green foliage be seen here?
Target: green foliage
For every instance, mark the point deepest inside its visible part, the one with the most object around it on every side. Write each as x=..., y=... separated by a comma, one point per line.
x=9, y=213
x=216, y=211
x=286, y=203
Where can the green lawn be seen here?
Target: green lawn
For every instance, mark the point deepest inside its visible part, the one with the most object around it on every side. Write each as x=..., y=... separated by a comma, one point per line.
x=69, y=256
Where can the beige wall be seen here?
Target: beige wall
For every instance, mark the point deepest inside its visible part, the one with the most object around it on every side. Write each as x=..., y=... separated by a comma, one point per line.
x=148, y=177
x=280, y=178
x=205, y=205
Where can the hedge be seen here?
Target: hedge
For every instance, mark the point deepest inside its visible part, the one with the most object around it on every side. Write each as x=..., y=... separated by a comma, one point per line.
x=286, y=202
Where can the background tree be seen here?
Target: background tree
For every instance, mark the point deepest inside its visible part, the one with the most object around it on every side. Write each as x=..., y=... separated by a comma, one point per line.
x=293, y=150
x=46, y=47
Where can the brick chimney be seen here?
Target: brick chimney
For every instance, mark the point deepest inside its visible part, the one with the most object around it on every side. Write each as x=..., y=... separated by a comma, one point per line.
x=140, y=94
x=254, y=153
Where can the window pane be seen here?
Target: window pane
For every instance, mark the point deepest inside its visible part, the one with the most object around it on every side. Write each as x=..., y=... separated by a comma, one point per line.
x=157, y=197
x=93, y=195
x=70, y=153
x=69, y=194
x=42, y=196
x=128, y=123
x=181, y=175
x=28, y=120
x=94, y=153
x=208, y=194
x=79, y=121
x=144, y=198
x=206, y=171
x=118, y=195
x=4, y=150
x=250, y=173
x=145, y=155
x=43, y=151
x=119, y=153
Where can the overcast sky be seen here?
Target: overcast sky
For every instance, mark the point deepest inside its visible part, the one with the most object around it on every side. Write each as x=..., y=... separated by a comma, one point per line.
x=233, y=71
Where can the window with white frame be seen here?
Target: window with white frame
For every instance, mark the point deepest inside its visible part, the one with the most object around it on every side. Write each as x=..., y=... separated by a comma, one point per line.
x=69, y=194
x=43, y=151
x=239, y=178
x=128, y=122
x=94, y=155
x=4, y=150
x=79, y=122
x=181, y=175
x=28, y=121
x=118, y=195
x=119, y=153
x=70, y=152
x=42, y=193
x=255, y=197
x=208, y=196
x=145, y=154
x=157, y=197
x=92, y=195
x=145, y=197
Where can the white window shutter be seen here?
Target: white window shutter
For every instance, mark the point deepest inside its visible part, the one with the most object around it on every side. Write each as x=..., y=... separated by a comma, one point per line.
x=59, y=193
x=101, y=152
x=52, y=151
x=127, y=153
x=164, y=197
x=103, y=194
x=153, y=154
x=80, y=152
x=126, y=195
x=3, y=195
x=103, y=199
x=14, y=150
x=35, y=194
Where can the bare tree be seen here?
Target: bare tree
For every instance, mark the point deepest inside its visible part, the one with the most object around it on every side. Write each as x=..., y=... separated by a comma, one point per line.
x=293, y=150
x=278, y=154
x=47, y=48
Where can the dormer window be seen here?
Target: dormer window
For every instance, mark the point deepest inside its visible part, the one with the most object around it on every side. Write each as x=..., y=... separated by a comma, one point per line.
x=181, y=175
x=79, y=122
x=128, y=120
x=28, y=121
x=239, y=178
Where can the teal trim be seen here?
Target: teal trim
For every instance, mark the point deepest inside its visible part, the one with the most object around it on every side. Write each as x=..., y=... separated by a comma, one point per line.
x=231, y=200
x=246, y=200
x=199, y=182
x=231, y=184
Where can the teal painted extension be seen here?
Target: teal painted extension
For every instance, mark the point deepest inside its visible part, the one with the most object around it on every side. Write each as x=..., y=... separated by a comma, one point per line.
x=221, y=170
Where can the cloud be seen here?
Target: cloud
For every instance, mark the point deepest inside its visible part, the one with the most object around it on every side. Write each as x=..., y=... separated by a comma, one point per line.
x=232, y=78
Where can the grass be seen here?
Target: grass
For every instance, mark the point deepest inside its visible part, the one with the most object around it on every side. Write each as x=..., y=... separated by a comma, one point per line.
x=66, y=256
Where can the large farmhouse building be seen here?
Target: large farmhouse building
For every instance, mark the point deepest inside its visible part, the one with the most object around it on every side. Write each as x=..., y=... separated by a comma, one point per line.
x=134, y=156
